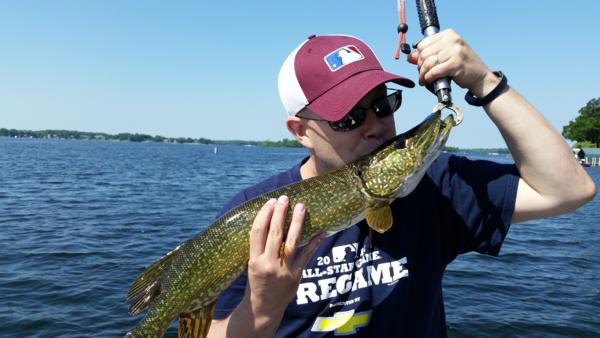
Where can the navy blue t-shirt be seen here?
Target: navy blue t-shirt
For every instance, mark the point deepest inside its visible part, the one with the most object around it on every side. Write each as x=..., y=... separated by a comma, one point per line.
x=392, y=287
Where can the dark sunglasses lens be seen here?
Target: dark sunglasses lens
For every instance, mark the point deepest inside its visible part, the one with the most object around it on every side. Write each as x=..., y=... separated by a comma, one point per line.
x=388, y=105
x=357, y=116
x=354, y=119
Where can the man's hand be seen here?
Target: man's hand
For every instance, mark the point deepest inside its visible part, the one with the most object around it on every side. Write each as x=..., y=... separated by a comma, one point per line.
x=273, y=279
x=447, y=54
x=274, y=271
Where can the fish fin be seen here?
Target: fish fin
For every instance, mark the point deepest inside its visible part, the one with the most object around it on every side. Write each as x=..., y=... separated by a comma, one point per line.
x=196, y=324
x=148, y=285
x=380, y=219
x=140, y=301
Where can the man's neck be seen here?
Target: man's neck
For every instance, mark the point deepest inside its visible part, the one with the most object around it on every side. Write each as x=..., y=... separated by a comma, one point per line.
x=313, y=167
x=309, y=168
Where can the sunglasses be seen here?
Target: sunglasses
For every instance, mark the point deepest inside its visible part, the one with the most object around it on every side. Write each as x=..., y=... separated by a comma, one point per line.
x=382, y=107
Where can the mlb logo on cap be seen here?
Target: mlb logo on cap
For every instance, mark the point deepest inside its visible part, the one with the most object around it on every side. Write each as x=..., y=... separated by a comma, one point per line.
x=343, y=56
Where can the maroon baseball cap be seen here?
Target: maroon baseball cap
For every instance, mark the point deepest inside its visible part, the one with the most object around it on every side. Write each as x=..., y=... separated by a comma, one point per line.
x=330, y=74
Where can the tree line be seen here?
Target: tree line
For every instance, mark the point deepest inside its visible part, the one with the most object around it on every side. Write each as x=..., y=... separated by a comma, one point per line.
x=135, y=137
x=585, y=128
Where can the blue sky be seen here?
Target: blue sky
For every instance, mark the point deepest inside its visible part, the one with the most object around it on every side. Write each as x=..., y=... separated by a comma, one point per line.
x=209, y=69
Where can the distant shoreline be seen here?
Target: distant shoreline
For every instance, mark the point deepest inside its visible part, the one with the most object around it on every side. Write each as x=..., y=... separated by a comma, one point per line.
x=135, y=137
x=129, y=137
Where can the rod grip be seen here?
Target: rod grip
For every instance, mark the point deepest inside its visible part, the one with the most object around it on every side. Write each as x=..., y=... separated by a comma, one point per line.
x=427, y=15
x=430, y=25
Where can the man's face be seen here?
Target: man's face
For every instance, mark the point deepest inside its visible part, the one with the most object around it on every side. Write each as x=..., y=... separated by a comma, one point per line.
x=334, y=149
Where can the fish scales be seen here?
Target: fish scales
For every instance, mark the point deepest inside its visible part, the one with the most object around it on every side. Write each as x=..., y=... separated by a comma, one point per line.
x=215, y=257
x=226, y=244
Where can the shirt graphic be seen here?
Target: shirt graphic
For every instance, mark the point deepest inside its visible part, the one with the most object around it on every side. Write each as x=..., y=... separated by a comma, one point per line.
x=338, y=275
x=343, y=323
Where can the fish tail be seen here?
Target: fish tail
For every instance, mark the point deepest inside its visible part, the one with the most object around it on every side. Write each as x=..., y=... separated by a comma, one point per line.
x=196, y=324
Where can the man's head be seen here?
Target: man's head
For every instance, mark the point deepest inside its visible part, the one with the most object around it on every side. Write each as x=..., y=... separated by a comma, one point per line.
x=324, y=79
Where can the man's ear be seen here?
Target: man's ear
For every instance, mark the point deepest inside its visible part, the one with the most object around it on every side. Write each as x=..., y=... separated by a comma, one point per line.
x=297, y=128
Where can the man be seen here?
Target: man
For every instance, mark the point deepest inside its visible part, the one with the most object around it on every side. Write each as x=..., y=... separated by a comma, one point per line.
x=581, y=155
x=347, y=284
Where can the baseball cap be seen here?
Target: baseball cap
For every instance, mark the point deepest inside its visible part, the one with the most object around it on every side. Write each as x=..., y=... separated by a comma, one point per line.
x=330, y=74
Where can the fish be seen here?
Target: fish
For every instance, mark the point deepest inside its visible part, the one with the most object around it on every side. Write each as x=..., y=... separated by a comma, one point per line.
x=190, y=277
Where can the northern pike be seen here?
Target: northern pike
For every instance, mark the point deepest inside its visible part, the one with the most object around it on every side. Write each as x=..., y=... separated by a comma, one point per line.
x=192, y=275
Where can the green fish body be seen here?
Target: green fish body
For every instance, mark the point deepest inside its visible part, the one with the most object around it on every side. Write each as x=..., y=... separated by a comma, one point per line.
x=192, y=276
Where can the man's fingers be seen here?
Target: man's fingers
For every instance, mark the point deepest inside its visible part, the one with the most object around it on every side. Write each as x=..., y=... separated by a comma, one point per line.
x=260, y=228
x=433, y=39
x=413, y=58
x=275, y=237
x=436, y=72
x=295, y=232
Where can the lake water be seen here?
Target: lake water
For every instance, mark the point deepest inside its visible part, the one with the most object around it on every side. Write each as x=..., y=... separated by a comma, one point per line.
x=80, y=220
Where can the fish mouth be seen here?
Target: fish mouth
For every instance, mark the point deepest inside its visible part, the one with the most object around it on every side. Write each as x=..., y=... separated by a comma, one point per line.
x=429, y=137
x=422, y=134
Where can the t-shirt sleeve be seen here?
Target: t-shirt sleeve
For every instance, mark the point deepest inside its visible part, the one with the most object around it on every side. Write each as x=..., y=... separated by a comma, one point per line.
x=236, y=200
x=231, y=297
x=478, y=200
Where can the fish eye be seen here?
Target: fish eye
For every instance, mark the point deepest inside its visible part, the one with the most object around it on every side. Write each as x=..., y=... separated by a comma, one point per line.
x=400, y=143
x=359, y=173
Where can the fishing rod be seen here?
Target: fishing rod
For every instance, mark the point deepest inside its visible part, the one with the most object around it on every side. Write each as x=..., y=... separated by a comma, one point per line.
x=430, y=25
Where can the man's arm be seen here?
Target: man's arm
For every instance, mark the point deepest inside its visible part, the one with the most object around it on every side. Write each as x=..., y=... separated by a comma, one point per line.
x=552, y=182
x=273, y=278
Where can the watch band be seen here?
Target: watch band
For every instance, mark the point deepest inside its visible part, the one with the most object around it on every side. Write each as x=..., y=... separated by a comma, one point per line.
x=475, y=101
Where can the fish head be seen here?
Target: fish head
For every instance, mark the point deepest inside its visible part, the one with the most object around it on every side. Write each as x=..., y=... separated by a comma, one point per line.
x=394, y=169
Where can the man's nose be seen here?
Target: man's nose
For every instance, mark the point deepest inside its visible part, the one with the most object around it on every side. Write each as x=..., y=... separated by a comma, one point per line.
x=374, y=127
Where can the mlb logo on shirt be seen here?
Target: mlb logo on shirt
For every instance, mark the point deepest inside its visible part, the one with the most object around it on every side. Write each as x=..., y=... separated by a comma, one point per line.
x=345, y=253
x=343, y=56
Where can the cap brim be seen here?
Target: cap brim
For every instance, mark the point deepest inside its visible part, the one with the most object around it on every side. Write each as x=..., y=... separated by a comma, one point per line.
x=339, y=100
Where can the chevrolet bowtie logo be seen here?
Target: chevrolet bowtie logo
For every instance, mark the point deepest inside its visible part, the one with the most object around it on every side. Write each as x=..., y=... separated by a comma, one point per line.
x=344, y=322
